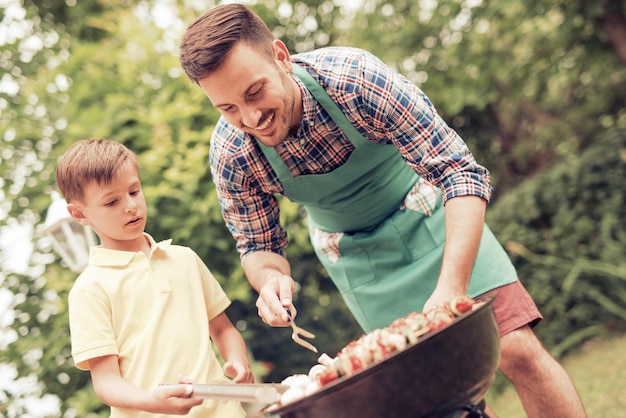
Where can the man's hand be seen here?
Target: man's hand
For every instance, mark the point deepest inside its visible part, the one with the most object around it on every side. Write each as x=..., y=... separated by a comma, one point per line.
x=270, y=274
x=274, y=298
x=440, y=297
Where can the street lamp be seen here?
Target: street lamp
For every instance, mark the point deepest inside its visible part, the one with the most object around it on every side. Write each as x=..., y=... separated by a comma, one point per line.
x=69, y=239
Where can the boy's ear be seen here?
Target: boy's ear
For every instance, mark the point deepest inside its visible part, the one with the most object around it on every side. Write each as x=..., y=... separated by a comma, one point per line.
x=77, y=213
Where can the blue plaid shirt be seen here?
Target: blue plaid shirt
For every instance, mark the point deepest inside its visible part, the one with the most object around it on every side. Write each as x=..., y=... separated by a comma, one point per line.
x=383, y=106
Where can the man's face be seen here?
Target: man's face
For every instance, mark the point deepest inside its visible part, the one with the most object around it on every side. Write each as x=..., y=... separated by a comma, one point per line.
x=255, y=93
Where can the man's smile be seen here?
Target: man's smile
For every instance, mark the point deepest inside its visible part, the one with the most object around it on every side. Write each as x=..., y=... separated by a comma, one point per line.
x=267, y=122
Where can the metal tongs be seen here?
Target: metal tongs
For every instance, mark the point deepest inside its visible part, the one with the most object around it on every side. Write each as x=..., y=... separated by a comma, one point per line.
x=297, y=332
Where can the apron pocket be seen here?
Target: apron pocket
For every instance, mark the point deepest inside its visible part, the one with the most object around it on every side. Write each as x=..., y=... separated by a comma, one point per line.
x=377, y=272
x=421, y=234
x=346, y=261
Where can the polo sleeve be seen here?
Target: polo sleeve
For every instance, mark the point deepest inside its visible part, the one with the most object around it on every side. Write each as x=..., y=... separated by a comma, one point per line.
x=216, y=299
x=91, y=329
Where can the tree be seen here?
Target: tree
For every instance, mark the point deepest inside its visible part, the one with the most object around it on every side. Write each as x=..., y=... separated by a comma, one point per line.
x=565, y=230
x=526, y=83
x=33, y=47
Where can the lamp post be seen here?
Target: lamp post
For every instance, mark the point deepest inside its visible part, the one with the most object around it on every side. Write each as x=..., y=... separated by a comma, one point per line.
x=69, y=239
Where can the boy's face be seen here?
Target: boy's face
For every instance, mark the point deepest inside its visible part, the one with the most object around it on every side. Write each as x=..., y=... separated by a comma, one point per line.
x=116, y=212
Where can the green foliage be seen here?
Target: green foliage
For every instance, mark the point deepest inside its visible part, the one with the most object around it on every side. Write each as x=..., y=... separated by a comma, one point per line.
x=33, y=46
x=525, y=83
x=565, y=230
x=42, y=347
x=303, y=25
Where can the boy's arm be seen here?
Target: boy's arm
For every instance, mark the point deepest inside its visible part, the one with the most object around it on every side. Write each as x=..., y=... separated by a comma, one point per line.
x=231, y=346
x=115, y=391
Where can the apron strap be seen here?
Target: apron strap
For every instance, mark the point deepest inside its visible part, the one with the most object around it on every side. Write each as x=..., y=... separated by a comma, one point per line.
x=329, y=105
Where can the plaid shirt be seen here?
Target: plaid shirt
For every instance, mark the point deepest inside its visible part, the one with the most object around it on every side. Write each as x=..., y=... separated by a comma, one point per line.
x=381, y=104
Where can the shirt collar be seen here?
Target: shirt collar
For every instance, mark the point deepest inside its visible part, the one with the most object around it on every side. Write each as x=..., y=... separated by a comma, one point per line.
x=105, y=257
x=309, y=108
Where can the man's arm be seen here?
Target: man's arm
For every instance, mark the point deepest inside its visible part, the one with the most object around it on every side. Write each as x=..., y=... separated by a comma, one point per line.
x=465, y=217
x=115, y=391
x=270, y=275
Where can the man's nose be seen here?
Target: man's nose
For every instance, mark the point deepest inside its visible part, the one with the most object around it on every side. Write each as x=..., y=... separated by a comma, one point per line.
x=250, y=116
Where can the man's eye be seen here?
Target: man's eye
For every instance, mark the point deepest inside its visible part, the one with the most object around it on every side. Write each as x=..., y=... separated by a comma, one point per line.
x=256, y=91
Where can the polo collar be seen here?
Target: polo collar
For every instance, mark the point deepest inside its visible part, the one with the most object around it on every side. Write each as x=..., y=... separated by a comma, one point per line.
x=104, y=257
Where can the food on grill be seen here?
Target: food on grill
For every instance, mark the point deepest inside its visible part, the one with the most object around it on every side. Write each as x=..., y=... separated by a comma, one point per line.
x=373, y=347
x=461, y=304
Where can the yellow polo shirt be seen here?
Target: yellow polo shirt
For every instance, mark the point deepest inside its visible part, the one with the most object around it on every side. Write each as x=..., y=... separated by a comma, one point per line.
x=153, y=313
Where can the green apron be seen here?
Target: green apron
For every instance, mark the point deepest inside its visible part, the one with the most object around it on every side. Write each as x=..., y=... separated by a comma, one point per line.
x=378, y=228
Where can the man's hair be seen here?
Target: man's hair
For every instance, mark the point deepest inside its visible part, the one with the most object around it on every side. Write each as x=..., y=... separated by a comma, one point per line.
x=209, y=40
x=91, y=160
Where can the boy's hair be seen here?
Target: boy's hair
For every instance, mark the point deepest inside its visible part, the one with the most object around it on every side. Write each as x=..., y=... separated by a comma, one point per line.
x=209, y=40
x=91, y=160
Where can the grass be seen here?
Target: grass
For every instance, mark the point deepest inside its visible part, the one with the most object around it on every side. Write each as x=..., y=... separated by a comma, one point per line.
x=598, y=371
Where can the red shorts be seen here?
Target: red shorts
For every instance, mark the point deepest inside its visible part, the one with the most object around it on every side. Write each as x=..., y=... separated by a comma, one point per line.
x=514, y=308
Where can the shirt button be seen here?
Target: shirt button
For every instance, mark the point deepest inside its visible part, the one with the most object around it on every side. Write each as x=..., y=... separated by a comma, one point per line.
x=302, y=141
x=311, y=123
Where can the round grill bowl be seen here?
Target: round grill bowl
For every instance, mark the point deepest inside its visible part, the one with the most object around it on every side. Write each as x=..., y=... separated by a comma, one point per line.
x=444, y=371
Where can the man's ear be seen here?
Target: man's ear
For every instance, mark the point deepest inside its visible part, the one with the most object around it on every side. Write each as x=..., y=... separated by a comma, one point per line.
x=77, y=213
x=281, y=55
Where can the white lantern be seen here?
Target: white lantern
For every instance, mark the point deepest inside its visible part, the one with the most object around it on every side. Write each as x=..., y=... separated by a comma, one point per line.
x=69, y=239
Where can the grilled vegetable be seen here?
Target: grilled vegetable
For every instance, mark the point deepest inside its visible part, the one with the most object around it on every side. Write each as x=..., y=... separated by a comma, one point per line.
x=376, y=346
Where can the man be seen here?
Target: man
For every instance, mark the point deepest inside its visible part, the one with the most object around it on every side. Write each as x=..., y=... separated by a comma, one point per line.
x=365, y=152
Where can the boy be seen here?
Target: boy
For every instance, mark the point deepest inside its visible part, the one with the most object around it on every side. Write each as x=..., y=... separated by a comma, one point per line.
x=142, y=312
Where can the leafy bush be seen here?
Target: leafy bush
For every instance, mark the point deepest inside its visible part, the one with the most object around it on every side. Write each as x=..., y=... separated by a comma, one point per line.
x=566, y=233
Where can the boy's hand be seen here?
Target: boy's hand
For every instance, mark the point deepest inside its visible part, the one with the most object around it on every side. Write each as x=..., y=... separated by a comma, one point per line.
x=238, y=371
x=173, y=399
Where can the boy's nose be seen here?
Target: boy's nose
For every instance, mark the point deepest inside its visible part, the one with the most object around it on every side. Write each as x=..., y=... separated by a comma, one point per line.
x=131, y=206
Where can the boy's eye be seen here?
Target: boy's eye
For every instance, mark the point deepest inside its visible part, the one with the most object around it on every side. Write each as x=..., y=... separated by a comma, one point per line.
x=111, y=203
x=134, y=193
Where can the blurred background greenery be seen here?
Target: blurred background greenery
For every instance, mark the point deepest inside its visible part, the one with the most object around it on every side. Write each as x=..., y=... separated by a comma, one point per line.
x=537, y=88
